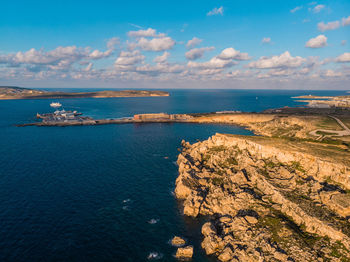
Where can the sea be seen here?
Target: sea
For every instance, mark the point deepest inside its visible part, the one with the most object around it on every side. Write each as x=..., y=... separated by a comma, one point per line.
x=105, y=193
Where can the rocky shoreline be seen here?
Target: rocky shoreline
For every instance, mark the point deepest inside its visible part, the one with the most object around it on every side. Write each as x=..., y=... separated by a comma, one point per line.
x=267, y=199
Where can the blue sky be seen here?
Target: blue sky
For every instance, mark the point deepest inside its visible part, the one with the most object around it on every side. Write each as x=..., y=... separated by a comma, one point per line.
x=237, y=44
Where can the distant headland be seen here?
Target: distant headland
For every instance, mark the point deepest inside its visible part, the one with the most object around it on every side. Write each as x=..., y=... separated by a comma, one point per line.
x=13, y=92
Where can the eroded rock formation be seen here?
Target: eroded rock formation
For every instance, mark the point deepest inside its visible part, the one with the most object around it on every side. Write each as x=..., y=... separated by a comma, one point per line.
x=267, y=200
x=184, y=252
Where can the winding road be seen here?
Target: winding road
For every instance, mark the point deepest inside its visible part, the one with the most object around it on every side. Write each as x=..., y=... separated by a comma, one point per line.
x=345, y=132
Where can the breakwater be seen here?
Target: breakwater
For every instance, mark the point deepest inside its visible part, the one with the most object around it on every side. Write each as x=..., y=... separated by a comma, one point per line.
x=101, y=122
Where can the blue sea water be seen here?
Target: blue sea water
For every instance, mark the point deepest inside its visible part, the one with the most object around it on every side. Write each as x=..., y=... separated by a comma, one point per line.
x=89, y=193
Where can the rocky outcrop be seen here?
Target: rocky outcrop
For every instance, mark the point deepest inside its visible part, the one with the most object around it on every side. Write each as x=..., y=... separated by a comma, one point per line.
x=184, y=252
x=267, y=200
x=178, y=241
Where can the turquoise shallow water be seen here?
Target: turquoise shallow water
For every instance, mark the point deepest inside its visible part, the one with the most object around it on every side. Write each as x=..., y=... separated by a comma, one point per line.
x=87, y=193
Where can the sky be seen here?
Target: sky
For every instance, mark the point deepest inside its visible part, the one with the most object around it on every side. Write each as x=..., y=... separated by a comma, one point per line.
x=176, y=44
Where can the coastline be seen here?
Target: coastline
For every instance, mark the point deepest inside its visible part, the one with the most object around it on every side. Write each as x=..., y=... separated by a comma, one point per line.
x=100, y=139
x=18, y=93
x=286, y=199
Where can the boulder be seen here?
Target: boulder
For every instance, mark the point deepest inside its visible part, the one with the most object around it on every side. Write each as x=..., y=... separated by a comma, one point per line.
x=226, y=255
x=184, y=252
x=251, y=220
x=178, y=241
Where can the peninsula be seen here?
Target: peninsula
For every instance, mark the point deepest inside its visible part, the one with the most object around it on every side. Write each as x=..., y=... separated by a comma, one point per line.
x=281, y=196
x=267, y=198
x=10, y=92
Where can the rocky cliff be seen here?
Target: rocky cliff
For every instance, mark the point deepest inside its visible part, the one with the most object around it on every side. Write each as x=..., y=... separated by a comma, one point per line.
x=266, y=199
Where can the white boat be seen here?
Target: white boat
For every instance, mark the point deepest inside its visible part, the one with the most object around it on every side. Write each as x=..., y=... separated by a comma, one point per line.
x=55, y=104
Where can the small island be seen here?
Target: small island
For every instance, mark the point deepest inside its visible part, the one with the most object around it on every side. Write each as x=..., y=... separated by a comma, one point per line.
x=12, y=92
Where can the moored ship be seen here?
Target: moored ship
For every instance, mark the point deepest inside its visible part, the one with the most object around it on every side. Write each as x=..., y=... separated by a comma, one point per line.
x=55, y=104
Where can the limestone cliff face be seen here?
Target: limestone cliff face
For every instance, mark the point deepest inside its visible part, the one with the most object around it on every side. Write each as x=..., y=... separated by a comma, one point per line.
x=266, y=200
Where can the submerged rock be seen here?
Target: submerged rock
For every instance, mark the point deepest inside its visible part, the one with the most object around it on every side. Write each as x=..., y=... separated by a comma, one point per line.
x=154, y=256
x=153, y=221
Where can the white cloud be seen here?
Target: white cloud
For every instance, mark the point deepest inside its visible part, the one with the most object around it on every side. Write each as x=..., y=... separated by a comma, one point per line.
x=318, y=8
x=317, y=42
x=343, y=58
x=197, y=53
x=231, y=53
x=127, y=59
x=216, y=11
x=346, y=21
x=62, y=57
x=160, y=68
x=329, y=26
x=193, y=42
x=162, y=58
x=333, y=25
x=224, y=60
x=58, y=59
x=332, y=73
x=284, y=60
x=150, y=32
x=113, y=42
x=73, y=62
x=296, y=9
x=96, y=54
x=155, y=44
x=207, y=72
x=266, y=40
x=214, y=63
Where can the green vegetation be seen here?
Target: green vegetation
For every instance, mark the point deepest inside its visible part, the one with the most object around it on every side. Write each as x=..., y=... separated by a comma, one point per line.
x=216, y=149
x=277, y=221
x=271, y=164
x=300, y=182
x=202, y=114
x=328, y=123
x=328, y=141
x=231, y=161
x=218, y=181
x=286, y=131
x=339, y=251
x=297, y=166
x=345, y=120
x=205, y=157
x=323, y=133
x=263, y=172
